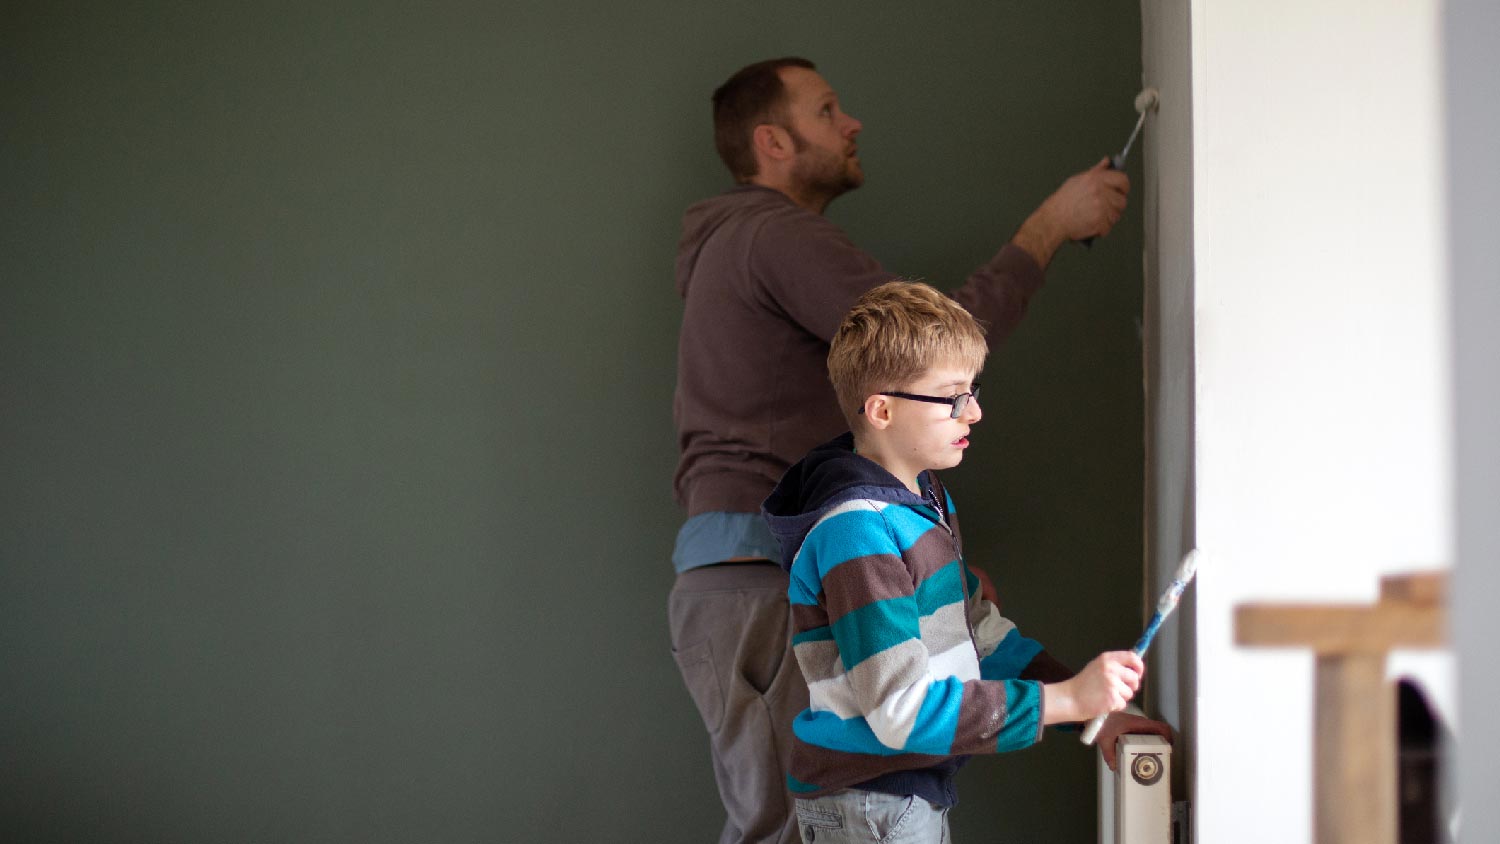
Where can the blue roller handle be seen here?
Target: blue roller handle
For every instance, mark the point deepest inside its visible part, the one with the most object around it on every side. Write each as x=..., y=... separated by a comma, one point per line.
x=1164, y=607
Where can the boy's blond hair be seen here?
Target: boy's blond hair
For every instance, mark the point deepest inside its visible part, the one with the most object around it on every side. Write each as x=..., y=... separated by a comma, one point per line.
x=892, y=336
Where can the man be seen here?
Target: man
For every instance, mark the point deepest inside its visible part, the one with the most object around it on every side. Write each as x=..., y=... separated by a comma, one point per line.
x=767, y=279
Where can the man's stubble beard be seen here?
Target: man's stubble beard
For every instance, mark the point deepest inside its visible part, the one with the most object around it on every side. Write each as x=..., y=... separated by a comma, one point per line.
x=822, y=172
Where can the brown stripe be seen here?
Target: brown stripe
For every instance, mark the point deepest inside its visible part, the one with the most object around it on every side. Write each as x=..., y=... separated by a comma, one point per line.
x=832, y=770
x=865, y=580
x=931, y=552
x=808, y=617
x=980, y=717
x=1047, y=669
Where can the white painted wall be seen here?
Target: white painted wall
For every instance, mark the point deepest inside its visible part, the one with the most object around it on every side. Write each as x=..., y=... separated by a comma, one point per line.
x=1167, y=207
x=1322, y=404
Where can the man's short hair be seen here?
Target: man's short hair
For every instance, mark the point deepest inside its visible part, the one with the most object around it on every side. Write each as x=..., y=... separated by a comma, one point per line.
x=892, y=336
x=753, y=95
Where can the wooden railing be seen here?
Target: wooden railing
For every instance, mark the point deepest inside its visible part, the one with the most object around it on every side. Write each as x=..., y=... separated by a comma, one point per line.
x=1354, y=757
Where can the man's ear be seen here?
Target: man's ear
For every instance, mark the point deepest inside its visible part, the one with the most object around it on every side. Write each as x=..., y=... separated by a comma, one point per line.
x=877, y=412
x=772, y=142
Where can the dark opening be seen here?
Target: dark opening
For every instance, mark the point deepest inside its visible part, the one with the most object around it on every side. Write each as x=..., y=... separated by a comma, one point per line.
x=1421, y=744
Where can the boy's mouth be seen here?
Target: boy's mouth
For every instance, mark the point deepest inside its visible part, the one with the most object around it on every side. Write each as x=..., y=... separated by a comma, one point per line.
x=961, y=442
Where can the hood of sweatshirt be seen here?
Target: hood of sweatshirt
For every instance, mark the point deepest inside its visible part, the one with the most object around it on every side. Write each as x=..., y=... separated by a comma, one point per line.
x=829, y=475
x=703, y=219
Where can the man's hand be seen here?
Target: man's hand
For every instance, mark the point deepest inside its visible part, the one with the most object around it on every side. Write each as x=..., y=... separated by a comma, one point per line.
x=1087, y=205
x=1125, y=723
x=986, y=586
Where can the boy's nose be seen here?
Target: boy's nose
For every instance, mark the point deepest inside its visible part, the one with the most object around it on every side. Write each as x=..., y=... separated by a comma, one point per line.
x=972, y=411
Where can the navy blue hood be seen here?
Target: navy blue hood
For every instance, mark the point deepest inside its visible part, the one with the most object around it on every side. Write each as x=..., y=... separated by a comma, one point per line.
x=828, y=476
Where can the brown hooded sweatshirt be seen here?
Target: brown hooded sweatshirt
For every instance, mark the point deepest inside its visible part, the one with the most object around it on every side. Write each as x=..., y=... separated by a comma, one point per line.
x=766, y=284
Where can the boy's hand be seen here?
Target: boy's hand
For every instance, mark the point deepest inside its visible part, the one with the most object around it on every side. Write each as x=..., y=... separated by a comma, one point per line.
x=1104, y=685
x=1127, y=723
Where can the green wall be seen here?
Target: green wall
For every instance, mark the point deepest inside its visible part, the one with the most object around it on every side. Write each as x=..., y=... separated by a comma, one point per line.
x=336, y=361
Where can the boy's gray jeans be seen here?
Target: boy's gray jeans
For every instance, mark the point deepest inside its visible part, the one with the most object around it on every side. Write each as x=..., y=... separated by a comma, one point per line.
x=852, y=816
x=731, y=638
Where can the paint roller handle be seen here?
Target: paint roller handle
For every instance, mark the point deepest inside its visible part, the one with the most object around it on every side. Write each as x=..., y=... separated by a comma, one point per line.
x=1186, y=571
x=1091, y=731
x=1115, y=163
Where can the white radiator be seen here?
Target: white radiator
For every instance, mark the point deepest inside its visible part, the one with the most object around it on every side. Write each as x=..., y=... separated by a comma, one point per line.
x=1135, y=805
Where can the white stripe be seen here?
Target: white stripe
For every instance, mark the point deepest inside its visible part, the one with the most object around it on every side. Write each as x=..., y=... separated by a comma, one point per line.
x=833, y=695
x=896, y=716
x=945, y=627
x=959, y=661
x=992, y=630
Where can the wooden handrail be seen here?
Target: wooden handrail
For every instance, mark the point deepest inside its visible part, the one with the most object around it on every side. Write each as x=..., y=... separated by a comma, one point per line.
x=1354, y=754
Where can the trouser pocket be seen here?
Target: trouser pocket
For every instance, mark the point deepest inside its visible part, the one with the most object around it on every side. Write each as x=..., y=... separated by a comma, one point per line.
x=696, y=662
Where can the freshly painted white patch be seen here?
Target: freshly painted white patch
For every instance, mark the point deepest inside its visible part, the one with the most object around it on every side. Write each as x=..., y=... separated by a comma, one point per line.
x=1320, y=358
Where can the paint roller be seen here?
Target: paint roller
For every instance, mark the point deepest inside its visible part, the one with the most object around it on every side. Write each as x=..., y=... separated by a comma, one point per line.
x=1164, y=607
x=1147, y=101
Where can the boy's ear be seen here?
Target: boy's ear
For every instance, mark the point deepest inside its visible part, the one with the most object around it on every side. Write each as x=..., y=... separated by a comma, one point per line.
x=773, y=142
x=878, y=412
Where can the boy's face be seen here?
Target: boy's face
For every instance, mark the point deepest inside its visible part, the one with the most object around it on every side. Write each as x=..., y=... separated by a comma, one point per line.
x=923, y=435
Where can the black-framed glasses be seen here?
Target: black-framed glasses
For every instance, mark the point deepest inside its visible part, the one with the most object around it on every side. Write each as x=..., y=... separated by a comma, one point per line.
x=960, y=402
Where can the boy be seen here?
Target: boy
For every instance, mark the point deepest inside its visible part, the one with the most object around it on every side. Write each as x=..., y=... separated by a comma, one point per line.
x=909, y=669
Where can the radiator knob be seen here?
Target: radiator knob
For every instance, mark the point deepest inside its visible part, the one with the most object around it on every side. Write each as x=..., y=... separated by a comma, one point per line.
x=1146, y=768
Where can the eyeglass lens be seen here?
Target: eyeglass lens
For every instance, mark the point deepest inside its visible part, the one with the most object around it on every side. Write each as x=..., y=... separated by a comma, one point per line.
x=961, y=402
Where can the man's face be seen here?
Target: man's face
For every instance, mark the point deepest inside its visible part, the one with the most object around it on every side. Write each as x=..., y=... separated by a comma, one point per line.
x=827, y=160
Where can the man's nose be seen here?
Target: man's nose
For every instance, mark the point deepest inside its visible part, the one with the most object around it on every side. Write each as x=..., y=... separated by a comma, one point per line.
x=853, y=128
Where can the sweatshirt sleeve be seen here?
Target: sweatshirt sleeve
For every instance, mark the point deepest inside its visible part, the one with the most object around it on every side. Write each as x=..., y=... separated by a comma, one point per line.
x=884, y=689
x=998, y=293
x=1005, y=653
x=809, y=268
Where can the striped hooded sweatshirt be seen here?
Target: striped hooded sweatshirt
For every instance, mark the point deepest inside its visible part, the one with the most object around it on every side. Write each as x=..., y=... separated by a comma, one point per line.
x=909, y=670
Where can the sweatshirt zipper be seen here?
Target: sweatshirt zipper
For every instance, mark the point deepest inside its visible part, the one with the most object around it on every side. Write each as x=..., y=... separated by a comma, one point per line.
x=928, y=496
x=964, y=583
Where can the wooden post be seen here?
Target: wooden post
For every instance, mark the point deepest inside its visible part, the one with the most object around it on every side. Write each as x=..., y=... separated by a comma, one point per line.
x=1354, y=752
x=1354, y=757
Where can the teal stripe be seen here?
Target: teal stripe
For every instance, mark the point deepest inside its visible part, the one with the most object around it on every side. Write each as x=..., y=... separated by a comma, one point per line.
x=854, y=534
x=817, y=634
x=875, y=627
x=801, y=591
x=825, y=729
x=847, y=536
x=797, y=786
x=858, y=533
x=1023, y=723
x=909, y=525
x=1010, y=658
x=1023, y=715
x=941, y=589
x=863, y=531
x=937, y=723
